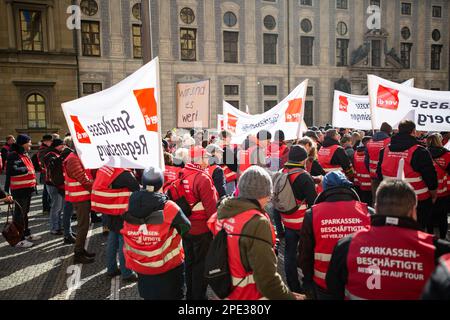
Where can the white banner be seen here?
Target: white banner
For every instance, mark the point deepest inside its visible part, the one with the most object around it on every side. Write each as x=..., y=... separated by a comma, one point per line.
x=119, y=126
x=392, y=102
x=353, y=111
x=286, y=116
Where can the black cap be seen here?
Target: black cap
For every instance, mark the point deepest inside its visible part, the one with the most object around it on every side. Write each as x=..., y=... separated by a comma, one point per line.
x=264, y=135
x=47, y=137
x=153, y=177
x=297, y=154
x=57, y=143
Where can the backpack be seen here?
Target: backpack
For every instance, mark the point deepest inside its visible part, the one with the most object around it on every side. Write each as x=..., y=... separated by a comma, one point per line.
x=55, y=173
x=283, y=198
x=36, y=163
x=217, y=269
x=175, y=192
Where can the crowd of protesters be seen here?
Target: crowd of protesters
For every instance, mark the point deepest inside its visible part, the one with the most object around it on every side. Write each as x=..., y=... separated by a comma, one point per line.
x=353, y=191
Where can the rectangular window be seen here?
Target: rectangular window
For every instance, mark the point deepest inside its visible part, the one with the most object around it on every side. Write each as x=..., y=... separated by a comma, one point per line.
x=90, y=38
x=436, y=56
x=341, y=4
x=137, y=41
x=270, y=48
x=270, y=90
x=309, y=116
x=234, y=103
x=376, y=53
x=310, y=91
x=306, y=51
x=269, y=104
x=188, y=44
x=230, y=46
x=437, y=12
x=341, y=52
x=31, y=30
x=89, y=88
x=406, y=8
x=231, y=90
x=306, y=2
x=405, y=54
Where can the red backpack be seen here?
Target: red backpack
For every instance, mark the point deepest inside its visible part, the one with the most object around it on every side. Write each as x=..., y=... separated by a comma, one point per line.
x=175, y=191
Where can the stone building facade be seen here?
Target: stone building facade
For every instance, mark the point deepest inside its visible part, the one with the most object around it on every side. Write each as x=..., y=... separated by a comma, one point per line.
x=255, y=51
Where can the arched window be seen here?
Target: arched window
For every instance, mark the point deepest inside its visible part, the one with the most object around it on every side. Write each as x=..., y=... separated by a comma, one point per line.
x=36, y=111
x=89, y=7
x=136, y=11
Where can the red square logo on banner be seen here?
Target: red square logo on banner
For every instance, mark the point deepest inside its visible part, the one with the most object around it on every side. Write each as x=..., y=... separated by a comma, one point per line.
x=387, y=98
x=147, y=103
x=80, y=134
x=231, y=123
x=343, y=103
x=294, y=110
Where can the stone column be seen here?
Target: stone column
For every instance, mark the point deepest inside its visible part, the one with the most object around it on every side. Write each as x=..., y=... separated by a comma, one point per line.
x=51, y=28
x=210, y=32
x=249, y=23
x=324, y=33
x=164, y=30
x=11, y=29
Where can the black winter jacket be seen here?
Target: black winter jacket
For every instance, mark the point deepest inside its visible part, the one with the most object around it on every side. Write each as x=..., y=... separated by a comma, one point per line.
x=307, y=241
x=16, y=167
x=438, y=286
x=337, y=274
x=421, y=159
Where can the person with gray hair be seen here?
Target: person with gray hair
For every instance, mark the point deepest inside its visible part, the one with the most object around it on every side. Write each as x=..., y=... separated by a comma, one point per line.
x=252, y=259
x=393, y=259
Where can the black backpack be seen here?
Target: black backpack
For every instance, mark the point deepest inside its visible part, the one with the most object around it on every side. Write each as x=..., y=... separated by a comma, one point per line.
x=55, y=172
x=217, y=270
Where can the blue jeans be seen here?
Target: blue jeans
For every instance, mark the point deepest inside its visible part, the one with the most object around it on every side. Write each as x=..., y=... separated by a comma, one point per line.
x=67, y=215
x=166, y=286
x=290, y=260
x=114, y=245
x=56, y=207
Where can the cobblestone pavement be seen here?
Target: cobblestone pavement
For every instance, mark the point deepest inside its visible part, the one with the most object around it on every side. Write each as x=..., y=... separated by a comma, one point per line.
x=46, y=272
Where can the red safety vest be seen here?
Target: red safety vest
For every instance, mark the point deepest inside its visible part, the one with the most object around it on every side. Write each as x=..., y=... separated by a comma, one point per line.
x=324, y=157
x=362, y=176
x=244, y=161
x=230, y=175
x=74, y=191
x=171, y=173
x=27, y=180
x=106, y=200
x=374, y=148
x=294, y=221
x=441, y=164
x=331, y=222
x=153, y=249
x=389, y=170
x=244, y=286
x=383, y=266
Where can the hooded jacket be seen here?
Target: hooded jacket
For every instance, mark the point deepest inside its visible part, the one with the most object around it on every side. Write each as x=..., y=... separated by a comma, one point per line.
x=145, y=207
x=439, y=152
x=421, y=159
x=16, y=167
x=257, y=255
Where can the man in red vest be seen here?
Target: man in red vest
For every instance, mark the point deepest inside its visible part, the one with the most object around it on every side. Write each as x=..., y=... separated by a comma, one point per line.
x=438, y=287
x=202, y=198
x=337, y=213
x=418, y=169
x=332, y=156
x=251, y=258
x=305, y=194
x=110, y=194
x=78, y=186
x=393, y=259
x=5, y=150
x=151, y=213
x=21, y=180
x=379, y=141
x=362, y=181
x=229, y=161
x=278, y=151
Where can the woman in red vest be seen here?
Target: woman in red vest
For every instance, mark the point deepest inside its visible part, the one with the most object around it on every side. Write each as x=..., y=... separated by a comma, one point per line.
x=153, y=231
x=21, y=180
x=441, y=161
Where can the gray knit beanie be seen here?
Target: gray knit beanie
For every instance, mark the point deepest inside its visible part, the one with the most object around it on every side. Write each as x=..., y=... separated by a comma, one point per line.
x=255, y=184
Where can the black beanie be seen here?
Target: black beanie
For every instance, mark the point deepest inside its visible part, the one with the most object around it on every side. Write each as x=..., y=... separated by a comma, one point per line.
x=57, y=143
x=297, y=154
x=22, y=139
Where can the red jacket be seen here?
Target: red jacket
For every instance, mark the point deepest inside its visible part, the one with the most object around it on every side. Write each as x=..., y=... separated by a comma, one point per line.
x=201, y=196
